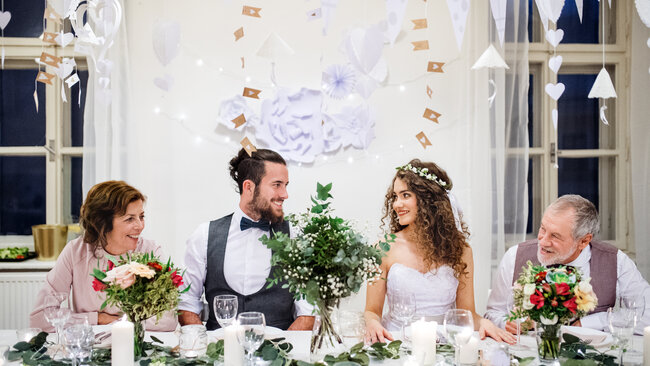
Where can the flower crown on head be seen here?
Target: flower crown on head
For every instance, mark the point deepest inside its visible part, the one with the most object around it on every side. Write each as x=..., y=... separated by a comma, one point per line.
x=424, y=173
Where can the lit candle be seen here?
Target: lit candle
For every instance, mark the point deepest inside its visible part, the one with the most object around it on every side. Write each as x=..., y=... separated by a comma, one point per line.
x=122, y=343
x=423, y=334
x=233, y=352
x=469, y=351
x=646, y=346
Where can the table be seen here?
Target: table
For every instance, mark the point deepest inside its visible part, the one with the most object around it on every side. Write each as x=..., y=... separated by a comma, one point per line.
x=299, y=340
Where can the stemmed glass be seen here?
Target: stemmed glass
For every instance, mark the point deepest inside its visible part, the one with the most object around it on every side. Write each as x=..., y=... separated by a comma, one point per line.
x=402, y=306
x=225, y=309
x=56, y=314
x=512, y=307
x=251, y=332
x=459, y=327
x=622, y=320
x=79, y=339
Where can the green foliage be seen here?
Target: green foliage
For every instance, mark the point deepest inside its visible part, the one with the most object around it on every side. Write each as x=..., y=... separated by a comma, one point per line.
x=579, y=353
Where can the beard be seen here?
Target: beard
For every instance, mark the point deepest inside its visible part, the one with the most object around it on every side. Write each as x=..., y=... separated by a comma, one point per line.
x=264, y=209
x=555, y=258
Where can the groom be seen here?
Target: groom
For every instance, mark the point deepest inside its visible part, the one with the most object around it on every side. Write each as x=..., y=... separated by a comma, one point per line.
x=225, y=256
x=566, y=236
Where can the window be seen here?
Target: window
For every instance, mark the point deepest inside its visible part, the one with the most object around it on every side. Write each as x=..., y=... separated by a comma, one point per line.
x=590, y=158
x=40, y=151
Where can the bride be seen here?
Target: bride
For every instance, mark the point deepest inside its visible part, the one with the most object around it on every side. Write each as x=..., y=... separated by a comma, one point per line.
x=430, y=256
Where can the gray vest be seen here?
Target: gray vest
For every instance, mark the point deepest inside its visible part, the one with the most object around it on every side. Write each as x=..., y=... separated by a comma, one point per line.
x=602, y=268
x=276, y=303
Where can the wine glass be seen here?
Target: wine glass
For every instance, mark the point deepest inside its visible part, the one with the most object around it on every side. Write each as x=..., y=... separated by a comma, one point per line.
x=79, y=339
x=56, y=314
x=510, y=303
x=459, y=327
x=402, y=307
x=251, y=332
x=621, y=325
x=225, y=309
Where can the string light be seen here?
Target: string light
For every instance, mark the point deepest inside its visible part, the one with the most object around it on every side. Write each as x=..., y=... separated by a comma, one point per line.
x=199, y=62
x=350, y=160
x=402, y=88
x=156, y=110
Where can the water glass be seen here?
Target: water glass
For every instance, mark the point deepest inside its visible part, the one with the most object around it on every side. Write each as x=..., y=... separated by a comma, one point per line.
x=225, y=309
x=56, y=314
x=621, y=323
x=79, y=340
x=510, y=303
x=459, y=327
x=402, y=307
x=351, y=327
x=193, y=341
x=251, y=333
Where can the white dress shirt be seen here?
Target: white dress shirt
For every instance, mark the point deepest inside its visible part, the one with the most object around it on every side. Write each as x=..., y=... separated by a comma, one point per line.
x=247, y=264
x=629, y=282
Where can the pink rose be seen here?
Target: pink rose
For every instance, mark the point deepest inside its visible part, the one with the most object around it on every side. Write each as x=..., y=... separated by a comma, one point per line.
x=121, y=276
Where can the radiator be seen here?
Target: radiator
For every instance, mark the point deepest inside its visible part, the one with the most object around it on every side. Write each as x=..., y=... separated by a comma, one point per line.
x=18, y=291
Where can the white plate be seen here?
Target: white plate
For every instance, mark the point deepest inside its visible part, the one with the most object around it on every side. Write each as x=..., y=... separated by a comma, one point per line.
x=598, y=338
x=268, y=332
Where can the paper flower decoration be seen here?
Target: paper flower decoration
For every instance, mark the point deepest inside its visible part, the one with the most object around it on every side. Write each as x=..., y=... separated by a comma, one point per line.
x=364, y=48
x=353, y=126
x=490, y=59
x=603, y=86
x=232, y=108
x=291, y=124
x=338, y=81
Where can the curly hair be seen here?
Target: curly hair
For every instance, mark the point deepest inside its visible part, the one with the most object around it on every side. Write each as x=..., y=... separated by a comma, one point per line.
x=105, y=201
x=436, y=233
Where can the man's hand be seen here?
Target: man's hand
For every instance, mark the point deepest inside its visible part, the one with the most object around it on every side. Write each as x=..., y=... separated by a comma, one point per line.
x=302, y=323
x=106, y=318
x=577, y=323
x=188, y=317
x=523, y=326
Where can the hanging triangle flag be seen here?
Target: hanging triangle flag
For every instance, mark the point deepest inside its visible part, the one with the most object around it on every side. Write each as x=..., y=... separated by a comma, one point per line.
x=239, y=120
x=314, y=14
x=542, y=14
x=395, y=10
x=51, y=60
x=251, y=11
x=239, y=33
x=579, y=5
x=603, y=86
x=49, y=37
x=420, y=45
x=422, y=138
x=498, y=8
x=431, y=115
x=435, y=66
x=50, y=14
x=459, y=10
x=419, y=23
x=274, y=47
x=44, y=77
x=248, y=146
x=73, y=79
x=490, y=59
x=252, y=93
x=429, y=92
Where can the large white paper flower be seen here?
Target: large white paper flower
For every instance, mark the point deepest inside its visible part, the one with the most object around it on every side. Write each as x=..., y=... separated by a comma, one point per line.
x=353, y=126
x=232, y=108
x=338, y=81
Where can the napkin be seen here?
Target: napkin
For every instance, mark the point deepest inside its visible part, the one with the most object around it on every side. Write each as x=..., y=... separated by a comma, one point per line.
x=587, y=335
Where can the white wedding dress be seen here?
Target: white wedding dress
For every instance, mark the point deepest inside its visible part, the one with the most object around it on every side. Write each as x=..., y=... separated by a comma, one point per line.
x=435, y=291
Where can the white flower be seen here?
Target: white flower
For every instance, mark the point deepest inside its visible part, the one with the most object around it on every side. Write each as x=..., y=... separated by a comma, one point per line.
x=233, y=108
x=527, y=304
x=547, y=321
x=585, y=286
x=529, y=289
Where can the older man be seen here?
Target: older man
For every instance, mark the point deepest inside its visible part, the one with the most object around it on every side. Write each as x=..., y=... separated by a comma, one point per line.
x=566, y=236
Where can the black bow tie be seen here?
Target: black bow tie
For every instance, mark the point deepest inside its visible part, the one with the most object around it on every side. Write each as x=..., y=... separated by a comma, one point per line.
x=247, y=224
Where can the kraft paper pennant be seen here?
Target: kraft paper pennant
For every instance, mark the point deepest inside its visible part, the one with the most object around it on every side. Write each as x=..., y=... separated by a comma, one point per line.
x=252, y=93
x=5, y=17
x=419, y=23
x=422, y=138
x=242, y=62
x=49, y=37
x=251, y=11
x=44, y=77
x=73, y=79
x=314, y=14
x=248, y=146
x=429, y=92
x=239, y=120
x=420, y=45
x=435, y=66
x=239, y=33
x=431, y=115
x=52, y=15
x=51, y=60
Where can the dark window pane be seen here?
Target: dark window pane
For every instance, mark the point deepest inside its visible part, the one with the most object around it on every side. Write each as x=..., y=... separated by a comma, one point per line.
x=574, y=31
x=578, y=117
x=75, y=186
x=531, y=11
x=20, y=124
x=76, y=110
x=26, y=18
x=22, y=194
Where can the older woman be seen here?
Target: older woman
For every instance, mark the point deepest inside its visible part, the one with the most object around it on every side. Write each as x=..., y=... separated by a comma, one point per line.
x=112, y=218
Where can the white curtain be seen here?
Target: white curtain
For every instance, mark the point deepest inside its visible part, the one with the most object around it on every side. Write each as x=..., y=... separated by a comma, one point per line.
x=107, y=138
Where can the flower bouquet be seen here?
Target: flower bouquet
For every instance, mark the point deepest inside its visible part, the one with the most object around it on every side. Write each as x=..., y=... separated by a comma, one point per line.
x=328, y=260
x=551, y=296
x=142, y=287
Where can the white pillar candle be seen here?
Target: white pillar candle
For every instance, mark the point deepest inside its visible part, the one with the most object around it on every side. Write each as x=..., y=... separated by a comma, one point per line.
x=233, y=352
x=122, y=343
x=646, y=346
x=423, y=336
x=469, y=351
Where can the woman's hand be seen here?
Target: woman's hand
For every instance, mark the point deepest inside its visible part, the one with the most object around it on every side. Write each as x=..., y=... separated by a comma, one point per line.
x=487, y=328
x=106, y=318
x=375, y=332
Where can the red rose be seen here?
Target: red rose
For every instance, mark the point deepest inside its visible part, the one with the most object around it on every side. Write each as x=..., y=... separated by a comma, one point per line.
x=537, y=299
x=562, y=289
x=554, y=303
x=98, y=285
x=177, y=280
x=571, y=305
x=155, y=266
x=111, y=265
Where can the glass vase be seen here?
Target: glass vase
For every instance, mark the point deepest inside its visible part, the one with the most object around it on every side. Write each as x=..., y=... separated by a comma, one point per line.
x=138, y=339
x=548, y=343
x=324, y=338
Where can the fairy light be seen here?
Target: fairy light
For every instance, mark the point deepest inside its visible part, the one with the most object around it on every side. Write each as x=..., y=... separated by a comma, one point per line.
x=156, y=110
x=226, y=139
x=221, y=69
x=350, y=160
x=248, y=79
x=198, y=139
x=402, y=88
x=199, y=62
